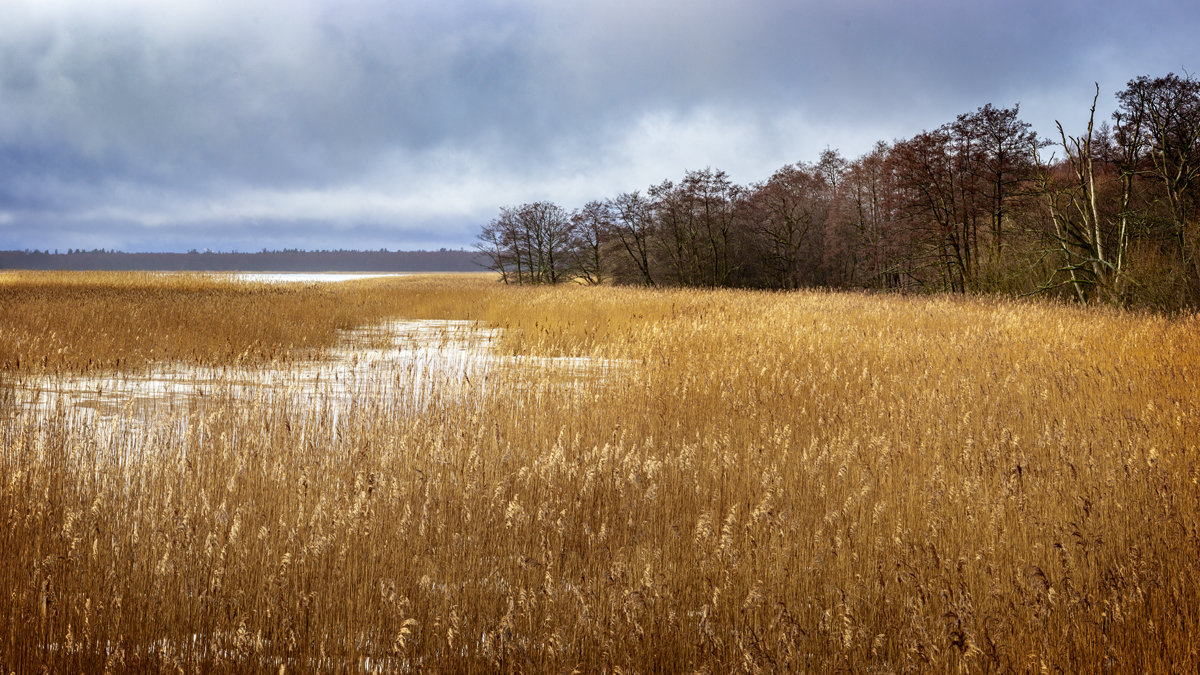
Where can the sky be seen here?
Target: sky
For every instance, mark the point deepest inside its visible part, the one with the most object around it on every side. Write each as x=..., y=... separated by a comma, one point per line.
x=167, y=125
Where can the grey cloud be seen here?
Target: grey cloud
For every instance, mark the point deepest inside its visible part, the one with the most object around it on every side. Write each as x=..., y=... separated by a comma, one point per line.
x=365, y=112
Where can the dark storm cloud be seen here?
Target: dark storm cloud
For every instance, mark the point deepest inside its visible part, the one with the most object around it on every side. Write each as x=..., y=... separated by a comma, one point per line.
x=213, y=123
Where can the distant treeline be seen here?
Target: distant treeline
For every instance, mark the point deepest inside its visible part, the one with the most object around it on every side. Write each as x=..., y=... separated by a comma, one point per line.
x=980, y=204
x=263, y=261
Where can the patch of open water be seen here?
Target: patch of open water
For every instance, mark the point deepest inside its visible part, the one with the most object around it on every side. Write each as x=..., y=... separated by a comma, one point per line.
x=397, y=363
x=311, y=277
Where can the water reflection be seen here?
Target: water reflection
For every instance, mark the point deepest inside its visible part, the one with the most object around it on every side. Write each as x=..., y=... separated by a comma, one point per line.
x=395, y=364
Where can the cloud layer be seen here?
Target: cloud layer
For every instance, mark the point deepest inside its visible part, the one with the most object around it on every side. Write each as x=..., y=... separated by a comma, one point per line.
x=152, y=125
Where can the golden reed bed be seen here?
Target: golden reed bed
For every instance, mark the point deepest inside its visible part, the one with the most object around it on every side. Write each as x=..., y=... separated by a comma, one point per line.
x=770, y=483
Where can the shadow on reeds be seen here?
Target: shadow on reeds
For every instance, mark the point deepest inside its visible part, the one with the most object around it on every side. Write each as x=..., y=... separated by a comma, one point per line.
x=8, y=396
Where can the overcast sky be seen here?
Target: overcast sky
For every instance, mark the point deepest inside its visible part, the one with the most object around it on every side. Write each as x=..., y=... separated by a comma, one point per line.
x=158, y=125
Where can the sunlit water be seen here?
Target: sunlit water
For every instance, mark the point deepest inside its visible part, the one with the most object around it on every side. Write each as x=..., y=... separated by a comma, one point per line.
x=312, y=277
x=392, y=365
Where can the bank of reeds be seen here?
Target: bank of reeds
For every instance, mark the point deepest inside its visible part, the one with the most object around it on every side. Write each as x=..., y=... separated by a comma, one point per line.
x=73, y=322
x=769, y=483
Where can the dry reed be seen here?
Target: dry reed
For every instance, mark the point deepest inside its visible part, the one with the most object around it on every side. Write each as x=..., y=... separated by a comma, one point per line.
x=771, y=482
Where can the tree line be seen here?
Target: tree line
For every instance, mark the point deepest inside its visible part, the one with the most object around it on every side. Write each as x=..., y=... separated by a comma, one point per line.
x=288, y=260
x=979, y=204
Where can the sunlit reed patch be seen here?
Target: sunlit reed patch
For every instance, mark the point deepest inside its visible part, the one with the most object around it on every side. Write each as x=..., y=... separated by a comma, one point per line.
x=597, y=479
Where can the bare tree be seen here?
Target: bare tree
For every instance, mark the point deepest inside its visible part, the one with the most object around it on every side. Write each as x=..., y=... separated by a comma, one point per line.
x=861, y=243
x=1003, y=163
x=548, y=232
x=591, y=230
x=935, y=201
x=709, y=197
x=677, y=241
x=490, y=242
x=633, y=230
x=965, y=207
x=832, y=166
x=787, y=210
x=1093, y=250
x=502, y=242
x=528, y=244
x=1166, y=111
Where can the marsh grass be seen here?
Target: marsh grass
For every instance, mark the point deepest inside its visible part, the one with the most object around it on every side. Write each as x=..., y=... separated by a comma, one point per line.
x=770, y=482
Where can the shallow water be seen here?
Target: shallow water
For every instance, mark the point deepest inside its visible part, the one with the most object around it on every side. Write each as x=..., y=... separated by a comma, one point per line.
x=394, y=364
x=310, y=277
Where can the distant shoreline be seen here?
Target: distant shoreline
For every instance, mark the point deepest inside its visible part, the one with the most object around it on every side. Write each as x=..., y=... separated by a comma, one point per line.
x=263, y=261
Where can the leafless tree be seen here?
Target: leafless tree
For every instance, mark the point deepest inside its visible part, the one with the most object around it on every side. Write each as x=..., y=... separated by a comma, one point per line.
x=787, y=211
x=591, y=231
x=1166, y=113
x=1093, y=248
x=528, y=243
x=968, y=206
x=633, y=230
x=934, y=198
x=498, y=242
x=1003, y=162
x=709, y=198
x=862, y=246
